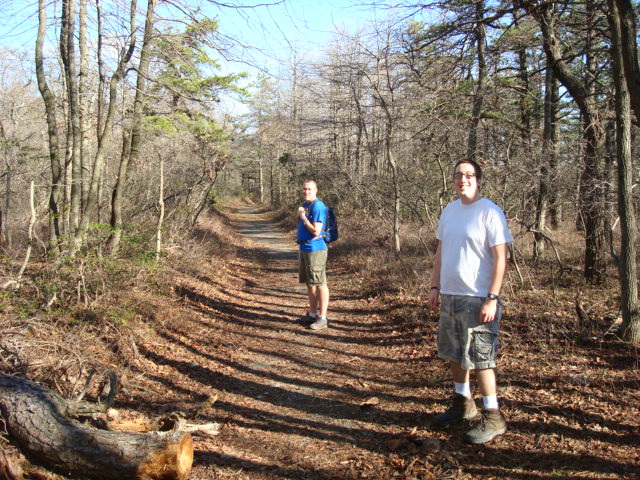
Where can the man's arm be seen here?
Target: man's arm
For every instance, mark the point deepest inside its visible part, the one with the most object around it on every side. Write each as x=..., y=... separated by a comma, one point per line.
x=314, y=228
x=434, y=293
x=488, y=311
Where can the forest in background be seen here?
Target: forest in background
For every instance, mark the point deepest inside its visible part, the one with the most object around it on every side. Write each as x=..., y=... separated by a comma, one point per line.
x=117, y=137
x=115, y=145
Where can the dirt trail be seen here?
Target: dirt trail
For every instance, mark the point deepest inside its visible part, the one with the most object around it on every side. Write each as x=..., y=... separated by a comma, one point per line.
x=294, y=403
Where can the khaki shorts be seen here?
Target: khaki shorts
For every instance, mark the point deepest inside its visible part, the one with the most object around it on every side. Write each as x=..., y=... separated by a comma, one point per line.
x=313, y=268
x=462, y=338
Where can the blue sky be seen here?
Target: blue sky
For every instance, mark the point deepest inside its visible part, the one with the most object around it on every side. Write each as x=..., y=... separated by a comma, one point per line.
x=267, y=33
x=272, y=33
x=256, y=39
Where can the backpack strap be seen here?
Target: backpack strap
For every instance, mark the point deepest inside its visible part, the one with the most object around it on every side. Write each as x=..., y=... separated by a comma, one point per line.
x=322, y=233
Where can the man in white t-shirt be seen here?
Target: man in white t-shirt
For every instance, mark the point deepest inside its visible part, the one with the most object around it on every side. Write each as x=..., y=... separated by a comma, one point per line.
x=469, y=267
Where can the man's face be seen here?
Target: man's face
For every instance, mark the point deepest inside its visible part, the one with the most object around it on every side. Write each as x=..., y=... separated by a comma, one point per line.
x=309, y=191
x=466, y=183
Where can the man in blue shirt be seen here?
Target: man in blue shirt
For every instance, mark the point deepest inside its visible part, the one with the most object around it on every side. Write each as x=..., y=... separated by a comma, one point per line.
x=312, y=220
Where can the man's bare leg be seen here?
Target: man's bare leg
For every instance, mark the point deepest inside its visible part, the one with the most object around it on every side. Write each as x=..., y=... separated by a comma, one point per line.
x=487, y=381
x=459, y=374
x=313, y=301
x=322, y=300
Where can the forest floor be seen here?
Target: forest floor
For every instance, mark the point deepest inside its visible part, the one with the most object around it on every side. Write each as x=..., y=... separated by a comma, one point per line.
x=216, y=338
x=355, y=401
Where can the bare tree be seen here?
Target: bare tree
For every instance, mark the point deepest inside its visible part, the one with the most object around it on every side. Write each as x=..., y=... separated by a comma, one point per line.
x=628, y=252
x=103, y=140
x=593, y=209
x=131, y=145
x=52, y=130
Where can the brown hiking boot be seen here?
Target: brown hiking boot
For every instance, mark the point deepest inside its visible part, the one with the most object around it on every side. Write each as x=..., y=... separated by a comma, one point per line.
x=491, y=425
x=461, y=408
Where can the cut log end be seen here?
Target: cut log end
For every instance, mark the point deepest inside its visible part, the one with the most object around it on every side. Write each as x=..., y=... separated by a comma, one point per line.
x=172, y=463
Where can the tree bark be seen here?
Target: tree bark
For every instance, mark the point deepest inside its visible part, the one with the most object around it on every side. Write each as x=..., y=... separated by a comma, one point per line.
x=478, y=100
x=629, y=50
x=546, y=198
x=592, y=204
x=83, y=106
x=103, y=140
x=131, y=145
x=627, y=259
x=161, y=214
x=52, y=131
x=35, y=420
x=67, y=51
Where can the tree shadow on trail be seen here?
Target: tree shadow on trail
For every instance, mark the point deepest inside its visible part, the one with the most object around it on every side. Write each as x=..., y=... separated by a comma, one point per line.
x=321, y=419
x=247, y=316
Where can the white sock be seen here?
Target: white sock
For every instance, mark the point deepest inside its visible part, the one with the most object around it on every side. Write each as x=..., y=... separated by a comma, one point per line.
x=490, y=401
x=463, y=389
x=313, y=314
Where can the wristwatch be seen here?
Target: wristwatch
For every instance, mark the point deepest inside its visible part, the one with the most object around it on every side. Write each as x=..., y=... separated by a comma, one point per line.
x=492, y=296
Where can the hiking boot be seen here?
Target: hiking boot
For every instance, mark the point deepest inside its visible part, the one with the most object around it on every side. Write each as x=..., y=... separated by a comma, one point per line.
x=320, y=323
x=461, y=408
x=490, y=425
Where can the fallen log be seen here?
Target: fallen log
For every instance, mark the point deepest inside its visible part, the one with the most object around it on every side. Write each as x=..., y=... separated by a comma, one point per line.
x=35, y=422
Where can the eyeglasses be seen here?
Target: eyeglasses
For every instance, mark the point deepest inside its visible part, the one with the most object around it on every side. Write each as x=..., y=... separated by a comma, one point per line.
x=468, y=175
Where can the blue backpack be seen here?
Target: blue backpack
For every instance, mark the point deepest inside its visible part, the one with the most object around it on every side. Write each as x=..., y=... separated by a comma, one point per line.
x=331, y=233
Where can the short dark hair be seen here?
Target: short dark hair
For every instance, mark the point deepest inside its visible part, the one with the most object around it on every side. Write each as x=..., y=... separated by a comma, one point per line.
x=474, y=164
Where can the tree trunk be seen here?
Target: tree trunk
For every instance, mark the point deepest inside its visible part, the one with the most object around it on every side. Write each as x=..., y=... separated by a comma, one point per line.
x=625, y=12
x=592, y=202
x=550, y=145
x=52, y=131
x=67, y=50
x=83, y=106
x=131, y=148
x=103, y=140
x=396, y=199
x=161, y=214
x=36, y=422
x=478, y=100
x=271, y=192
x=101, y=75
x=261, y=181
x=627, y=260
x=32, y=222
x=5, y=217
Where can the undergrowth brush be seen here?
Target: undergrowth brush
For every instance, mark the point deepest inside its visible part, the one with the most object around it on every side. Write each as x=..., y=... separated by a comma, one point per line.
x=71, y=315
x=548, y=300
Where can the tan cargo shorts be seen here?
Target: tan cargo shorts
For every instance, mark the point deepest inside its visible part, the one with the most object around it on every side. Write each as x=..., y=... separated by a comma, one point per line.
x=462, y=338
x=313, y=268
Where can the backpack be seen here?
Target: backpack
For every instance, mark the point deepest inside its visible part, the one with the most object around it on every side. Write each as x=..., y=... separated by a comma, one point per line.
x=331, y=233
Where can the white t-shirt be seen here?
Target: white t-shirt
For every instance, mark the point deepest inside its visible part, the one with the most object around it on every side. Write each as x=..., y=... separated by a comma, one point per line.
x=467, y=233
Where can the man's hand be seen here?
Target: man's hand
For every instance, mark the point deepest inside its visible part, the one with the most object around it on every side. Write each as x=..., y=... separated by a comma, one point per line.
x=434, y=298
x=488, y=311
x=301, y=213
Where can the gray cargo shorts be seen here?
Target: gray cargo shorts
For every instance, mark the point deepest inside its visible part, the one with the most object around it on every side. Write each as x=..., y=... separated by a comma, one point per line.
x=462, y=338
x=312, y=268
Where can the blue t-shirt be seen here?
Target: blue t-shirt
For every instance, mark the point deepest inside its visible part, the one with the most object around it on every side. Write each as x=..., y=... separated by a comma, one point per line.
x=315, y=211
